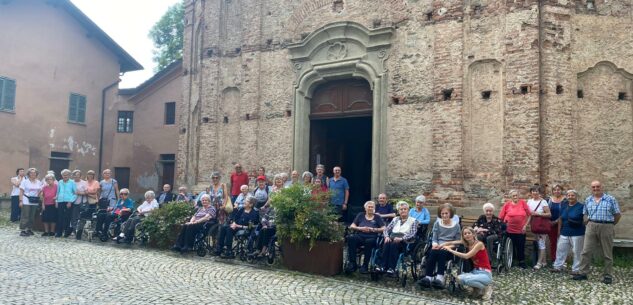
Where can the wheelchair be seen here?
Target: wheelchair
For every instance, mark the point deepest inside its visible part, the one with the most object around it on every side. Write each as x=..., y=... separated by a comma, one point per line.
x=408, y=260
x=139, y=235
x=87, y=223
x=454, y=267
x=359, y=255
x=203, y=242
x=273, y=249
x=115, y=227
x=503, y=251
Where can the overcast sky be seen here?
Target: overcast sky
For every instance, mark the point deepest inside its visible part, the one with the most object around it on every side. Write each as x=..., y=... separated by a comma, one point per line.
x=128, y=22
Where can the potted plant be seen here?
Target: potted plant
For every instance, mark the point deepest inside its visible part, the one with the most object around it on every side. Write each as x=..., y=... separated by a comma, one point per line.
x=163, y=224
x=311, y=236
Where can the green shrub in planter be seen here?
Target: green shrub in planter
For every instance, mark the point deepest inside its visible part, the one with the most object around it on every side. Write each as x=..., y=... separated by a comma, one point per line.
x=300, y=216
x=162, y=224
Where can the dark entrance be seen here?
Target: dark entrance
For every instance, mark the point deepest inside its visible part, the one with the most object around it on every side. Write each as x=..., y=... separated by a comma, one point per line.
x=341, y=135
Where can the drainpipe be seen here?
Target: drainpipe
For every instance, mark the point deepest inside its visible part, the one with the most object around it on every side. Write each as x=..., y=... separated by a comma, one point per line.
x=103, y=100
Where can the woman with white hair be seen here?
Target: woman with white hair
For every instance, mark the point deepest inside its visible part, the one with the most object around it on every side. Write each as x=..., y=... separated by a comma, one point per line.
x=400, y=231
x=365, y=227
x=80, y=190
x=66, y=196
x=488, y=228
x=150, y=204
x=30, y=193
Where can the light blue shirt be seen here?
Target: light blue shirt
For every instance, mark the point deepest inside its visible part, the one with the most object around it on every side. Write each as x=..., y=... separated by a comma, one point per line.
x=423, y=216
x=604, y=210
x=66, y=191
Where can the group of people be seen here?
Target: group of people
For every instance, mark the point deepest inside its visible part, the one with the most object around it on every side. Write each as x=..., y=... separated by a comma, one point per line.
x=566, y=225
x=63, y=203
x=561, y=221
x=251, y=208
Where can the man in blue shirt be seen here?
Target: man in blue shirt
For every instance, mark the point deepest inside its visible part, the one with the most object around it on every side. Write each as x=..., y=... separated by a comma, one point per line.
x=340, y=191
x=602, y=213
x=385, y=209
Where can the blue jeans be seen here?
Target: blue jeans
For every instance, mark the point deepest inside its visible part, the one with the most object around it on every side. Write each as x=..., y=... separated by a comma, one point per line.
x=477, y=278
x=15, y=208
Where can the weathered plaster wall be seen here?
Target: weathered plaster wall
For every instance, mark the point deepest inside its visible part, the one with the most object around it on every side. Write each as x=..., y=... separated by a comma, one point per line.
x=50, y=56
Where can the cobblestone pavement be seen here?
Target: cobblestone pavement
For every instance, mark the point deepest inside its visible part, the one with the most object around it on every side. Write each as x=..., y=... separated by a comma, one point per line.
x=44, y=270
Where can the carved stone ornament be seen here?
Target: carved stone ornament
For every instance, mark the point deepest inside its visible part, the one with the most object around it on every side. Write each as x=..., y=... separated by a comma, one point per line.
x=336, y=51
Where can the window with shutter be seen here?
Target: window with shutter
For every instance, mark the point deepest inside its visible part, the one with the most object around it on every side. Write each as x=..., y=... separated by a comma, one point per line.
x=7, y=94
x=77, y=108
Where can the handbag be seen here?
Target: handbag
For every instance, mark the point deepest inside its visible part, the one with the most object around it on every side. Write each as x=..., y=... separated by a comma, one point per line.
x=33, y=199
x=540, y=225
x=228, y=206
x=104, y=203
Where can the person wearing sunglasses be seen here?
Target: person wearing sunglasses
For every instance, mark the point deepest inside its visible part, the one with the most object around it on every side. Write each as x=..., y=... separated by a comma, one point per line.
x=120, y=212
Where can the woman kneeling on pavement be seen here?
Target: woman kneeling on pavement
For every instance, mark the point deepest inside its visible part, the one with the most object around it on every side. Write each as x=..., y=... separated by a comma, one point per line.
x=481, y=276
x=127, y=229
x=400, y=231
x=188, y=232
x=444, y=231
x=365, y=230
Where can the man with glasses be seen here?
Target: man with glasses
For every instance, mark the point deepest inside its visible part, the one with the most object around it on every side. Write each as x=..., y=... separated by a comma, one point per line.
x=602, y=213
x=238, y=178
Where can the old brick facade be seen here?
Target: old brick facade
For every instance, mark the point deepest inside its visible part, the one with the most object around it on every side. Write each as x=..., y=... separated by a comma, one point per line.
x=471, y=98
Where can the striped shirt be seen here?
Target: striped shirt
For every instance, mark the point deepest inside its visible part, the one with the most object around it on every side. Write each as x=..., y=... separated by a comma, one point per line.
x=603, y=210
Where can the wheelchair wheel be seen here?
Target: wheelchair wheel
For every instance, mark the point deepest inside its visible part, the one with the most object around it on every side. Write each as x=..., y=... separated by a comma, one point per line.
x=201, y=250
x=270, y=258
x=403, y=279
x=508, y=251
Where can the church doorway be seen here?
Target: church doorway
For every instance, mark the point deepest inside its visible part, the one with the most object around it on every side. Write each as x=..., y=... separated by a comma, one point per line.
x=341, y=135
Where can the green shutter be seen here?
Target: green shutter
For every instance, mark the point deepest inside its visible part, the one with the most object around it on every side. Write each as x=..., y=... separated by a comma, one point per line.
x=9, y=95
x=72, y=108
x=81, y=109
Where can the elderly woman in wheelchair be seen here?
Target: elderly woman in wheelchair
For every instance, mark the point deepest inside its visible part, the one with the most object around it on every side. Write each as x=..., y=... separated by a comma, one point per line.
x=400, y=231
x=128, y=227
x=241, y=223
x=365, y=230
x=479, y=280
x=444, y=231
x=190, y=229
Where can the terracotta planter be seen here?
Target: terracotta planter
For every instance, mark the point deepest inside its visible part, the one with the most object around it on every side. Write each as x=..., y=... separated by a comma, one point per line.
x=324, y=258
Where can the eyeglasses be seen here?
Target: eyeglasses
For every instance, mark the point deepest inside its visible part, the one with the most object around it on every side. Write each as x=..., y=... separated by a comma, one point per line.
x=215, y=177
x=123, y=194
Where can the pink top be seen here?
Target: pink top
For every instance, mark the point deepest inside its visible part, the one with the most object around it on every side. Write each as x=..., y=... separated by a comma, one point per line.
x=49, y=192
x=515, y=215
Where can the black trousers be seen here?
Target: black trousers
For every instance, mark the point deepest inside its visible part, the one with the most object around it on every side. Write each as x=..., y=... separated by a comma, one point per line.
x=390, y=253
x=187, y=235
x=518, y=245
x=354, y=241
x=437, y=258
x=264, y=237
x=15, y=208
x=64, y=214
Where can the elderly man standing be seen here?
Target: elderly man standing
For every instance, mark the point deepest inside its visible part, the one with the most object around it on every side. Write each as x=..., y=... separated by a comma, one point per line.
x=238, y=178
x=340, y=191
x=385, y=209
x=602, y=213
x=166, y=195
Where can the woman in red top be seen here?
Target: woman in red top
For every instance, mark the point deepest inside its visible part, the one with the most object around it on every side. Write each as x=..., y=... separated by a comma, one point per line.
x=516, y=214
x=49, y=205
x=481, y=276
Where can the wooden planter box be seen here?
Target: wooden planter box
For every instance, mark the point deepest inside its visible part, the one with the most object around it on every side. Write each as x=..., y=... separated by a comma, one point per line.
x=324, y=258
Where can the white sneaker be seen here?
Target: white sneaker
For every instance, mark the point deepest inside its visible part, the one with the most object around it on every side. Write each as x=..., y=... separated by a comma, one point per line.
x=122, y=235
x=487, y=293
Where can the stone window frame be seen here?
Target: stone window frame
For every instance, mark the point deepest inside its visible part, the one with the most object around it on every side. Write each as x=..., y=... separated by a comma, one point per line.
x=368, y=64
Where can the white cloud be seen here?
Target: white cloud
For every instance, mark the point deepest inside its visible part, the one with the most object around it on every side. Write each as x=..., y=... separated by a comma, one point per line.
x=128, y=22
